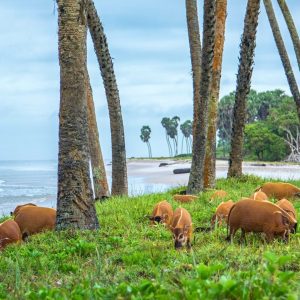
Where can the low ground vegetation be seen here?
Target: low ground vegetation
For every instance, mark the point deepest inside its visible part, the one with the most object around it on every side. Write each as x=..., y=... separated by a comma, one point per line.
x=128, y=259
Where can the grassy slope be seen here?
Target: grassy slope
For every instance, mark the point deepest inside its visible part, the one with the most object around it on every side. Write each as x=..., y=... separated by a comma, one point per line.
x=129, y=259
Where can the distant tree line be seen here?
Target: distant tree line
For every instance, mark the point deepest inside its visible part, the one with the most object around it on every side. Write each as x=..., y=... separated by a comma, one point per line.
x=271, y=130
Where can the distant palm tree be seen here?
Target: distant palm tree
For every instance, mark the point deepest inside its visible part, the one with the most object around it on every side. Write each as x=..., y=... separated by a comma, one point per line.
x=119, y=168
x=187, y=131
x=101, y=188
x=283, y=54
x=75, y=203
x=173, y=132
x=292, y=28
x=145, y=137
x=166, y=123
x=195, y=184
x=210, y=155
x=246, y=61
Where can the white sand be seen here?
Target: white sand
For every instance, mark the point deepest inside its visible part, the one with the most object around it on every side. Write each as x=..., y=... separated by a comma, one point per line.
x=149, y=172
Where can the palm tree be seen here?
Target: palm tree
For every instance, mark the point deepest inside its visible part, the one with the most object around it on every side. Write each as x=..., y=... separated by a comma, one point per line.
x=75, y=204
x=195, y=184
x=101, y=189
x=187, y=130
x=246, y=60
x=166, y=123
x=210, y=156
x=195, y=50
x=145, y=137
x=119, y=168
x=283, y=54
x=173, y=133
x=292, y=28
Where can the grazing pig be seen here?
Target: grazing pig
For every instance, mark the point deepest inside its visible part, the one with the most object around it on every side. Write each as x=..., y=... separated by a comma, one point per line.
x=9, y=233
x=35, y=219
x=279, y=190
x=185, y=198
x=219, y=194
x=13, y=213
x=162, y=213
x=182, y=228
x=259, y=196
x=221, y=213
x=287, y=206
x=254, y=216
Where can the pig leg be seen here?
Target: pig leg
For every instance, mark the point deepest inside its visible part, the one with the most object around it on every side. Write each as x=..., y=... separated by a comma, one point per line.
x=243, y=237
x=231, y=234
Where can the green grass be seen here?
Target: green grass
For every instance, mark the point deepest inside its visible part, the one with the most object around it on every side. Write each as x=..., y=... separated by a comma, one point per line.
x=128, y=259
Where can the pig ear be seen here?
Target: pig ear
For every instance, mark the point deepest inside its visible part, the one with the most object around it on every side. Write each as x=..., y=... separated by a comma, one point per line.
x=285, y=220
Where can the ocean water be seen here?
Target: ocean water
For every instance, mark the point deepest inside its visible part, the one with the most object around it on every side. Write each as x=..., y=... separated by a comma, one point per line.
x=27, y=181
x=36, y=182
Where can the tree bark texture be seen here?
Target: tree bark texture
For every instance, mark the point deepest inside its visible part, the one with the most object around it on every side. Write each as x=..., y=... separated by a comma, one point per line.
x=283, y=54
x=195, y=50
x=246, y=61
x=291, y=27
x=75, y=204
x=119, y=168
x=210, y=155
x=196, y=179
x=101, y=189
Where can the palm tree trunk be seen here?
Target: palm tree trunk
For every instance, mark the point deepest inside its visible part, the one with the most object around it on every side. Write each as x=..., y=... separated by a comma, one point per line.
x=98, y=169
x=246, y=60
x=119, y=168
x=196, y=179
x=195, y=50
x=210, y=156
x=283, y=55
x=292, y=28
x=75, y=204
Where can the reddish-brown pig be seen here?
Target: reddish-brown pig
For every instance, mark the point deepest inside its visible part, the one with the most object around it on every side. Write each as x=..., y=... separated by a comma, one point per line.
x=182, y=228
x=9, y=233
x=221, y=213
x=279, y=190
x=256, y=216
x=162, y=213
x=35, y=219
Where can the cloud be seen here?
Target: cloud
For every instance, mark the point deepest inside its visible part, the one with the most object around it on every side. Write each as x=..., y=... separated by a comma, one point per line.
x=152, y=63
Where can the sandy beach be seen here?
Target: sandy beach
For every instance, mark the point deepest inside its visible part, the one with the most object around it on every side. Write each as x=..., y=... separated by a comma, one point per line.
x=148, y=172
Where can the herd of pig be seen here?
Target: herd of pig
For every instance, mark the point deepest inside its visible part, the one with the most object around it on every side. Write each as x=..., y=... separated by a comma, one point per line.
x=250, y=214
x=253, y=214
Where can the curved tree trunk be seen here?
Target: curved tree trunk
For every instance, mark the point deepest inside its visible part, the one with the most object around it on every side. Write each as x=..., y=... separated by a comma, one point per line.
x=292, y=28
x=283, y=55
x=210, y=155
x=196, y=179
x=246, y=60
x=119, y=168
x=75, y=204
x=98, y=168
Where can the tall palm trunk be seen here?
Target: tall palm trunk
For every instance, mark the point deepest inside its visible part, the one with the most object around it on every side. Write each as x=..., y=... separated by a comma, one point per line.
x=98, y=169
x=246, y=60
x=210, y=155
x=119, y=168
x=283, y=55
x=292, y=28
x=196, y=179
x=75, y=204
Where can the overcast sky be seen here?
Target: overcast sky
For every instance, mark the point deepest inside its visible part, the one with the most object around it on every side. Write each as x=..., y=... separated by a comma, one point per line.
x=148, y=41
